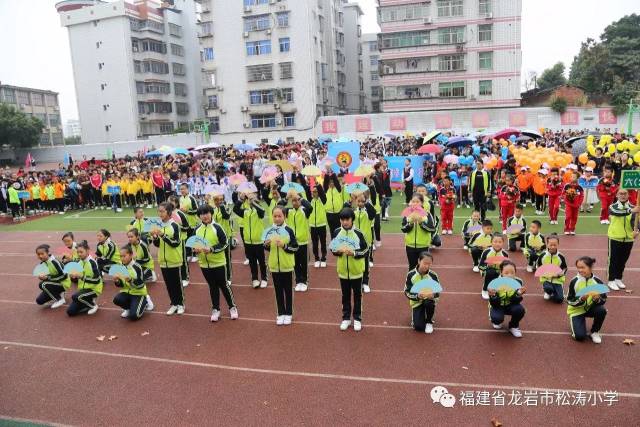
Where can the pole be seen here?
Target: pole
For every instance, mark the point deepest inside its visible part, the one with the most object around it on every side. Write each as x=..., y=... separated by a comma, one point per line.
x=632, y=108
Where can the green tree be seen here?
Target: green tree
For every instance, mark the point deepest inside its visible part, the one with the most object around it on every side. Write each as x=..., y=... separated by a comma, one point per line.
x=17, y=129
x=552, y=77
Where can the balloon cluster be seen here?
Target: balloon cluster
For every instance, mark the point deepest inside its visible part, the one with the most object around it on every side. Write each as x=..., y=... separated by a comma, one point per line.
x=534, y=157
x=610, y=147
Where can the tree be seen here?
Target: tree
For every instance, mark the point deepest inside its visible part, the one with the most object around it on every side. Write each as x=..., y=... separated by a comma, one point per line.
x=17, y=129
x=559, y=104
x=590, y=68
x=552, y=77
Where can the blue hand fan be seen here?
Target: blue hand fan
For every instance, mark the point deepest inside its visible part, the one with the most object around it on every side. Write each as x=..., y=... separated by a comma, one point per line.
x=426, y=284
x=474, y=229
x=152, y=224
x=504, y=284
x=113, y=189
x=119, y=271
x=292, y=186
x=356, y=187
x=593, y=289
x=344, y=242
x=41, y=269
x=275, y=231
x=24, y=195
x=197, y=242
x=73, y=267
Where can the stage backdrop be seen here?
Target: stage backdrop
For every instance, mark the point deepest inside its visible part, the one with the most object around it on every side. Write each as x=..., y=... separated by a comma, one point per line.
x=396, y=167
x=349, y=151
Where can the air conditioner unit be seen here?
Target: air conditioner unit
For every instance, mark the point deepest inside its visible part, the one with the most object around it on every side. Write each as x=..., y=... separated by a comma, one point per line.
x=245, y=34
x=489, y=16
x=427, y=21
x=220, y=89
x=268, y=32
x=247, y=9
x=246, y=125
x=244, y=109
x=276, y=106
x=223, y=111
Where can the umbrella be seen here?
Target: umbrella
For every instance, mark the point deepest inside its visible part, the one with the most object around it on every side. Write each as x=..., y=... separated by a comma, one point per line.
x=389, y=135
x=532, y=133
x=237, y=179
x=311, y=170
x=459, y=141
x=209, y=146
x=284, y=165
x=183, y=151
x=343, y=139
x=272, y=145
x=245, y=147
x=523, y=138
x=154, y=153
x=363, y=170
x=578, y=147
x=324, y=138
x=574, y=139
x=506, y=133
x=431, y=135
x=451, y=159
x=429, y=149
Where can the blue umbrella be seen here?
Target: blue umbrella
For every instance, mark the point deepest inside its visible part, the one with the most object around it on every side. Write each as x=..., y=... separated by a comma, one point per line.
x=389, y=135
x=245, y=147
x=154, y=153
x=325, y=138
x=459, y=141
x=180, y=151
x=343, y=139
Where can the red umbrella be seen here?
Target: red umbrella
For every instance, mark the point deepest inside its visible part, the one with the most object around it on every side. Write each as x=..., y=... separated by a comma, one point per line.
x=506, y=133
x=430, y=149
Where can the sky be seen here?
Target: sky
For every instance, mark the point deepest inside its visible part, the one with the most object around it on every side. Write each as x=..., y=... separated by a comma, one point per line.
x=35, y=48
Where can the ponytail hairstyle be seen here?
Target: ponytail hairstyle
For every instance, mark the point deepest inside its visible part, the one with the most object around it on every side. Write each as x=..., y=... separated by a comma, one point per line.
x=425, y=254
x=127, y=248
x=506, y=263
x=68, y=234
x=134, y=231
x=167, y=206
x=83, y=244
x=44, y=247
x=105, y=233
x=586, y=260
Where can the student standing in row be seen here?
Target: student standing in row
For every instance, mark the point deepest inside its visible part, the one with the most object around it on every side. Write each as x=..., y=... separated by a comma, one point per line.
x=318, y=226
x=185, y=231
x=222, y=216
x=417, y=232
x=298, y=219
x=621, y=235
x=252, y=216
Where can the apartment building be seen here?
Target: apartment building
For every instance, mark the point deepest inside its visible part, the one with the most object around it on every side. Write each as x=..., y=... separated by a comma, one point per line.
x=450, y=54
x=38, y=103
x=371, y=74
x=354, y=59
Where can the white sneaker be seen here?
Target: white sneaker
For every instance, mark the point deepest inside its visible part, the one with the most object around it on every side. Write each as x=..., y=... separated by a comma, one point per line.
x=529, y=269
x=246, y=262
x=566, y=233
x=255, y=284
x=150, y=306
x=233, y=313
x=193, y=259
x=316, y=264
x=573, y=233
x=366, y=289
x=465, y=247
x=496, y=326
x=59, y=303
x=428, y=329
x=516, y=332
x=125, y=314
x=613, y=286
x=450, y=231
x=378, y=243
x=93, y=309
x=215, y=315
x=344, y=325
x=185, y=283
x=603, y=221
x=180, y=309
x=149, y=206
x=323, y=264
x=287, y=320
x=546, y=296
x=117, y=210
x=263, y=284
x=172, y=310
x=485, y=294
x=357, y=325
x=596, y=338
x=303, y=287
x=620, y=284
x=297, y=288
x=476, y=269
x=280, y=320
x=370, y=264
x=154, y=277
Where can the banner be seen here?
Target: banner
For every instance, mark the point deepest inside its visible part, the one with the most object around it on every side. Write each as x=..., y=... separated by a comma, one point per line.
x=569, y=117
x=329, y=126
x=517, y=119
x=606, y=117
x=480, y=120
x=443, y=121
x=397, y=123
x=396, y=168
x=363, y=124
x=348, y=152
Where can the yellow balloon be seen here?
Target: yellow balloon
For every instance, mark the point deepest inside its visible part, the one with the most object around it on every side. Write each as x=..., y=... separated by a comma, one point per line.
x=620, y=146
x=637, y=158
x=612, y=148
x=607, y=155
x=591, y=150
x=590, y=139
x=630, y=162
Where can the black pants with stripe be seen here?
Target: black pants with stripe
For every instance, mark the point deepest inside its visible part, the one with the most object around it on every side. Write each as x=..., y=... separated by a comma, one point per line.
x=423, y=314
x=516, y=311
x=579, y=322
x=413, y=254
x=255, y=253
x=136, y=304
x=217, y=280
x=283, y=284
x=350, y=286
x=619, y=253
x=184, y=268
x=82, y=301
x=173, y=283
x=228, y=261
x=333, y=221
x=301, y=264
x=50, y=292
x=319, y=238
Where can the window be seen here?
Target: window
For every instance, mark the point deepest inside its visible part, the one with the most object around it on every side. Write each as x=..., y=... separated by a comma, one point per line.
x=255, y=2
x=485, y=60
x=286, y=70
x=373, y=46
x=206, y=28
x=286, y=94
x=261, y=47
x=178, y=69
x=484, y=7
x=175, y=30
x=44, y=139
x=451, y=89
x=208, y=54
x=404, y=13
x=283, y=19
x=139, y=25
x=416, y=38
x=285, y=45
x=137, y=66
x=37, y=98
x=52, y=100
x=451, y=62
x=257, y=23
x=374, y=60
x=148, y=45
x=258, y=97
x=212, y=101
x=485, y=32
x=57, y=139
x=153, y=87
x=177, y=50
x=8, y=96
x=140, y=87
x=374, y=76
x=182, y=108
x=209, y=78
x=256, y=73
x=324, y=71
x=180, y=89
x=376, y=91
x=451, y=35
x=154, y=107
x=155, y=67
x=214, y=124
x=23, y=98
x=166, y=127
x=485, y=87
x=54, y=120
x=450, y=8
x=263, y=121
x=289, y=119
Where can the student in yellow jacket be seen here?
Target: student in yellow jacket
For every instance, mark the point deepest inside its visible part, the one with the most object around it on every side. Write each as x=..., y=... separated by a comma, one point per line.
x=133, y=297
x=281, y=264
x=423, y=304
x=253, y=226
x=55, y=282
x=587, y=305
x=107, y=252
x=298, y=219
x=318, y=226
x=222, y=216
x=621, y=234
x=89, y=283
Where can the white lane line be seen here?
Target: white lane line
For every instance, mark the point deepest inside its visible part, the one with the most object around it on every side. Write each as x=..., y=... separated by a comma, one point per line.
x=313, y=323
x=302, y=374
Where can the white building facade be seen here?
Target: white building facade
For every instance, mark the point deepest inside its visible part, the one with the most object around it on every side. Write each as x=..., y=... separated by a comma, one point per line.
x=354, y=59
x=450, y=54
x=371, y=73
x=72, y=128
x=136, y=66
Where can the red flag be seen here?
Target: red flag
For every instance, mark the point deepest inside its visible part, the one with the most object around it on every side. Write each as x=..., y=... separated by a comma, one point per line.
x=27, y=161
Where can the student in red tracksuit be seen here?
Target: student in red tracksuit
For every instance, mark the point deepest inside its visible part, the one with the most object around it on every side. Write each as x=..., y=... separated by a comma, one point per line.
x=508, y=197
x=447, y=199
x=554, y=191
x=573, y=194
x=606, y=190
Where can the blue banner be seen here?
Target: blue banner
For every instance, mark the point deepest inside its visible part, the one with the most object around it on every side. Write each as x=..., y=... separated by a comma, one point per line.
x=348, y=152
x=396, y=167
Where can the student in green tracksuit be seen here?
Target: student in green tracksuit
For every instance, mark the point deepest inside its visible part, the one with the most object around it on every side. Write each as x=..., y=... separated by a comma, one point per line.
x=467, y=234
x=491, y=271
x=252, y=216
x=552, y=285
x=133, y=297
x=417, y=231
x=281, y=264
x=185, y=231
x=621, y=235
x=138, y=223
x=588, y=305
x=106, y=251
x=53, y=284
x=213, y=263
x=89, y=283
x=507, y=302
x=143, y=257
x=423, y=304
x=534, y=245
x=517, y=219
x=479, y=242
x=350, y=270
x=167, y=240
x=189, y=206
x=14, y=200
x=222, y=216
x=333, y=194
x=365, y=216
x=318, y=226
x=298, y=219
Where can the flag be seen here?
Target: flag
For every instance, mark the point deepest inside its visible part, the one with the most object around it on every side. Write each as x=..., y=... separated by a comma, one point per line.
x=347, y=152
x=27, y=161
x=66, y=160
